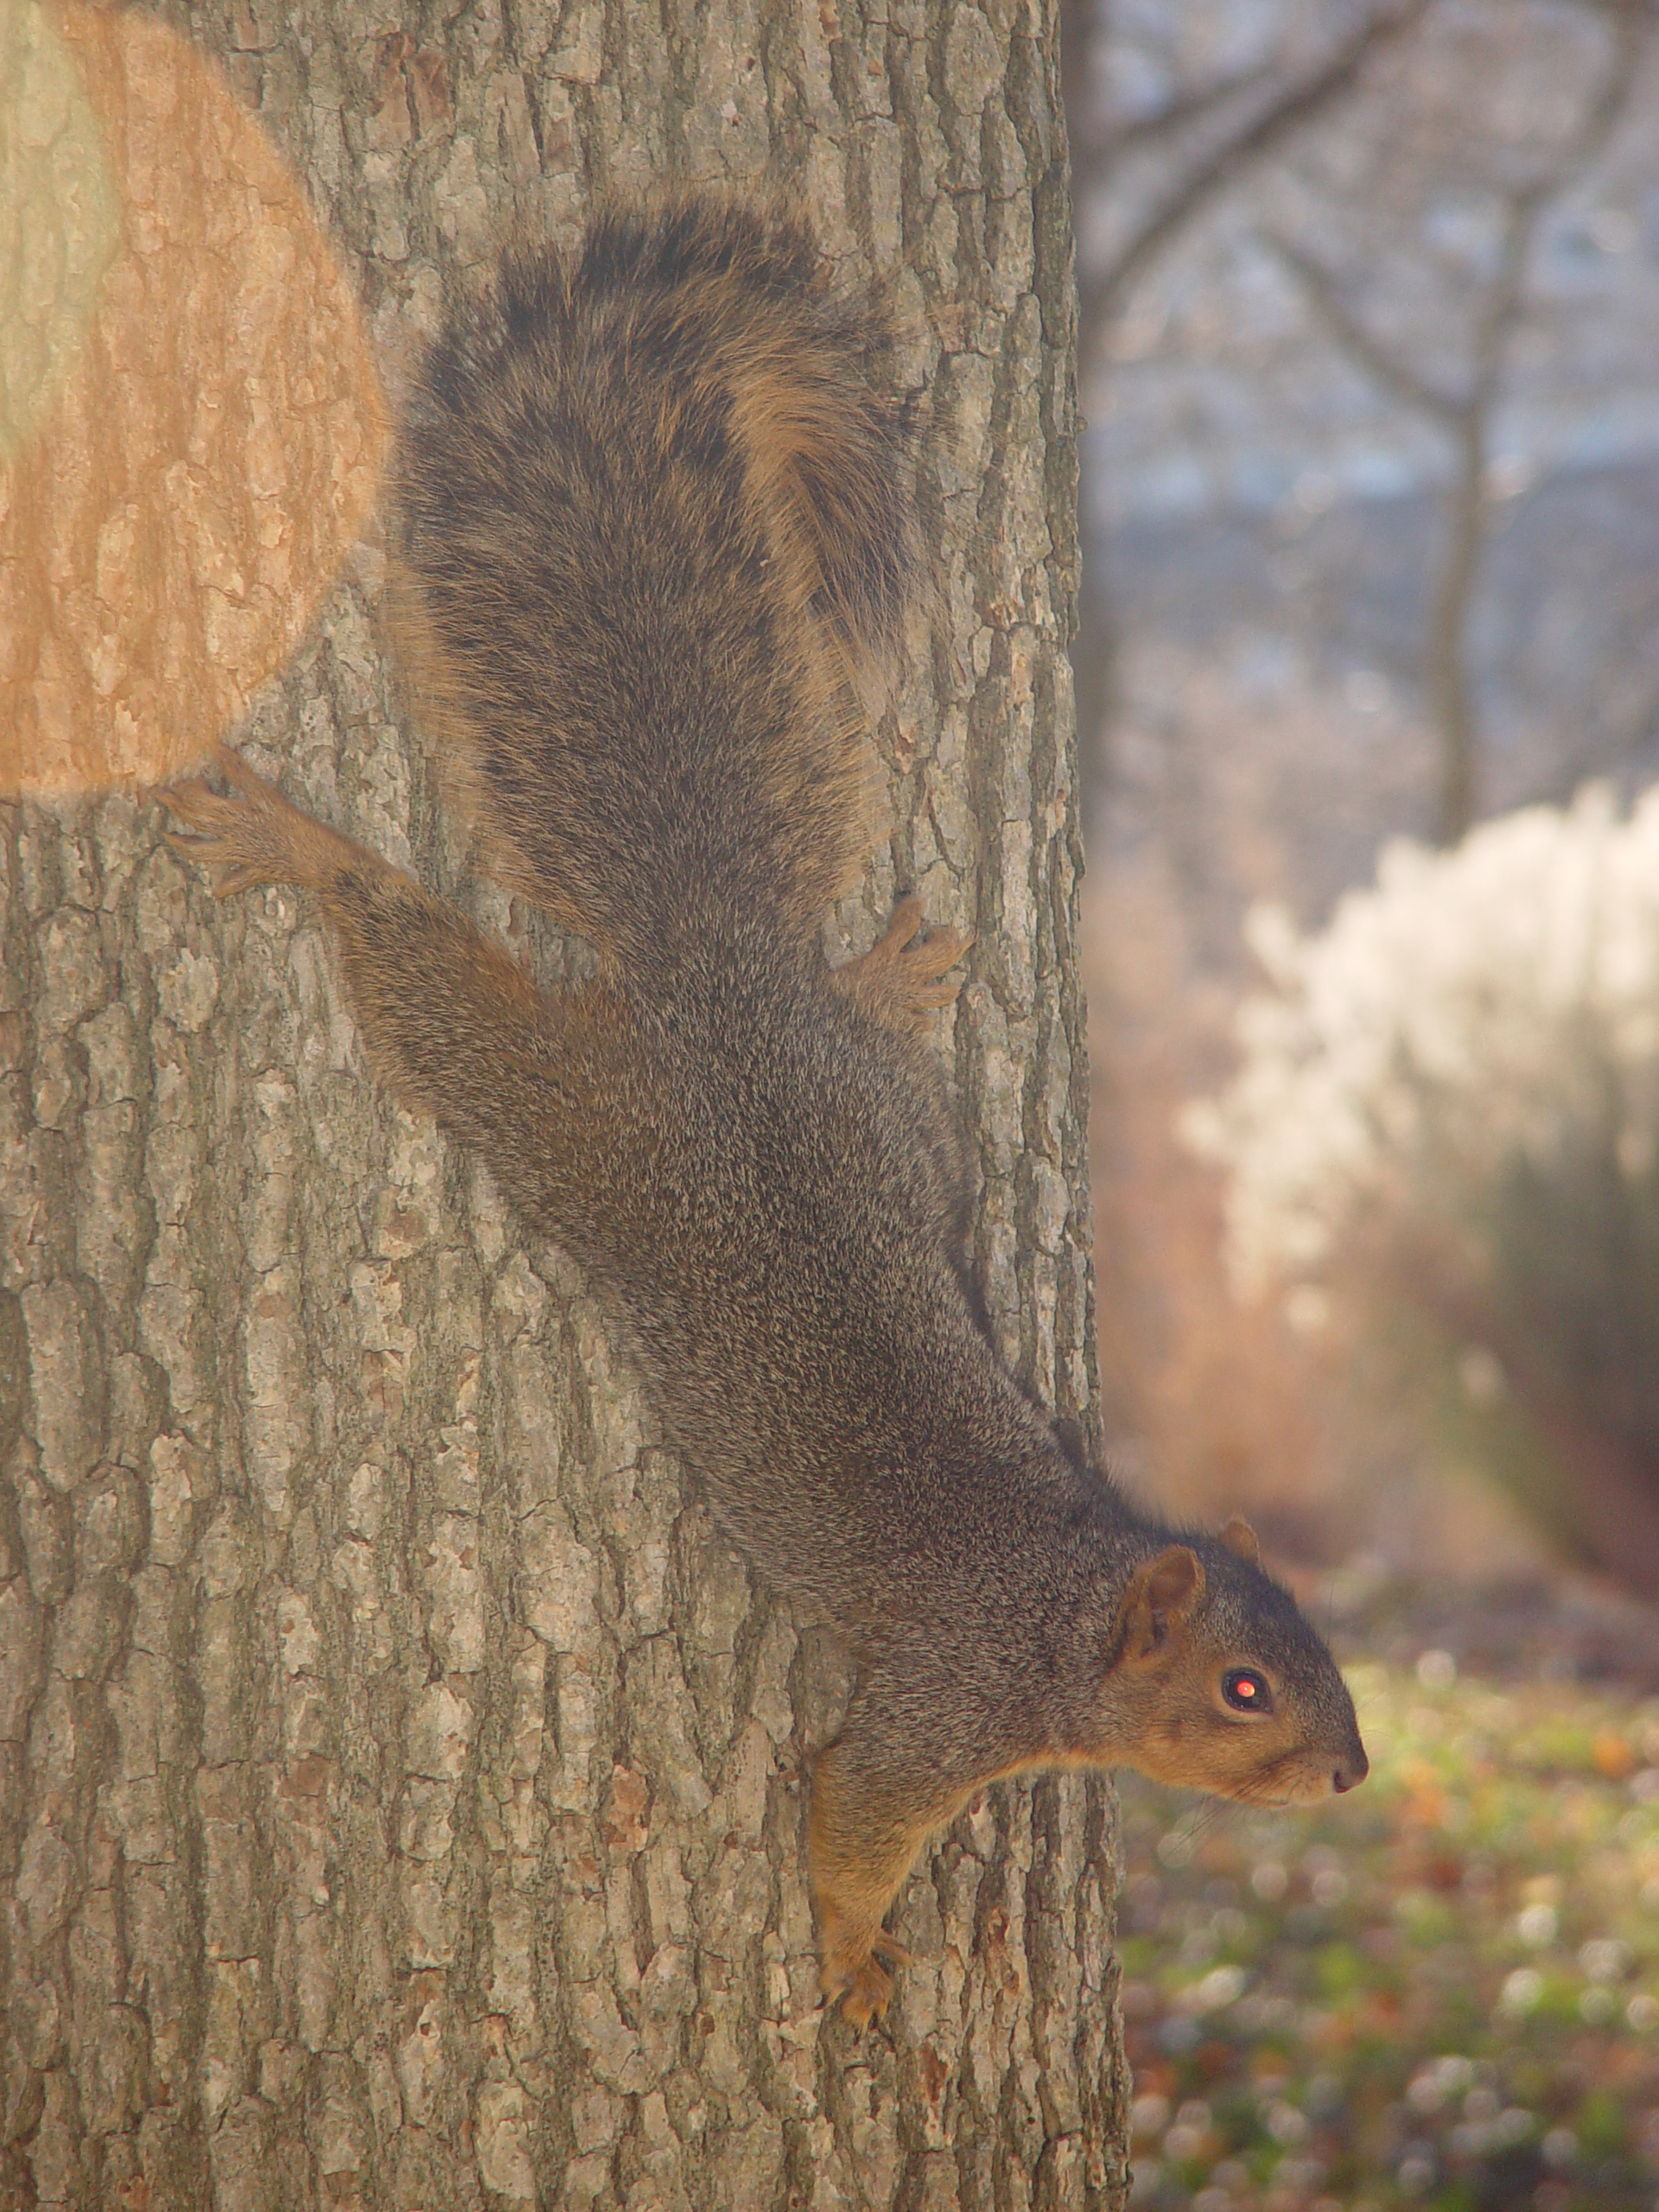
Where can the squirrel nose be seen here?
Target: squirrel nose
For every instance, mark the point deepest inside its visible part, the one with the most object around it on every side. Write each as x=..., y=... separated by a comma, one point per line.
x=1351, y=1773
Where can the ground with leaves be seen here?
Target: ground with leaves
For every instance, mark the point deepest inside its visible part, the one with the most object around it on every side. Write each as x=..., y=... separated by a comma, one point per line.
x=1443, y=1991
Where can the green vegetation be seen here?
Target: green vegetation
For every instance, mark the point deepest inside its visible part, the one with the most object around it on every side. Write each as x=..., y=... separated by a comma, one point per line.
x=1441, y=1993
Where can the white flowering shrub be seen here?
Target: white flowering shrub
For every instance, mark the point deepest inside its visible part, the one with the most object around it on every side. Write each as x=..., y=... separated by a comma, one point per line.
x=1481, y=1013
x=1449, y=1098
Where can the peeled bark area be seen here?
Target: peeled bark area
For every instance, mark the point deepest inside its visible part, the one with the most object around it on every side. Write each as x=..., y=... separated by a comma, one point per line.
x=404, y=1787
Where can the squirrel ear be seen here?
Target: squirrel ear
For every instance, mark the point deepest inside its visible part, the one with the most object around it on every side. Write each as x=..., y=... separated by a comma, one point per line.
x=1240, y=1537
x=1160, y=1598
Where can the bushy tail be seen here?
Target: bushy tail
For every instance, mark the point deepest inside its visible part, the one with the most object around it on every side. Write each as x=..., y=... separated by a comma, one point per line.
x=654, y=541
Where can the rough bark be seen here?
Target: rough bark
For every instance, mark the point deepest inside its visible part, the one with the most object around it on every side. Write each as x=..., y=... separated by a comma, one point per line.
x=402, y=1787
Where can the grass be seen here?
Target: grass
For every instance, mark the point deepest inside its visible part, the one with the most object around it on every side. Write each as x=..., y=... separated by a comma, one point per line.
x=1440, y=1993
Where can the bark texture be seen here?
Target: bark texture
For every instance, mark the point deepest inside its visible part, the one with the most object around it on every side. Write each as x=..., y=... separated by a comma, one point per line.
x=402, y=1787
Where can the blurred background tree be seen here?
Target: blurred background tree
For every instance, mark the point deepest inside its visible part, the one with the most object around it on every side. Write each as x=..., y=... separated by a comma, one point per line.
x=1368, y=300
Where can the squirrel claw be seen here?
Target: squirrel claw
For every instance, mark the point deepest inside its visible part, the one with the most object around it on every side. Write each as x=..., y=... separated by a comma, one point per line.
x=863, y=1991
x=222, y=879
x=858, y=1979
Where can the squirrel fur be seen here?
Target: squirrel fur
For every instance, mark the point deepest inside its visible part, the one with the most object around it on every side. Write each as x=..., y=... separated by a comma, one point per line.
x=654, y=549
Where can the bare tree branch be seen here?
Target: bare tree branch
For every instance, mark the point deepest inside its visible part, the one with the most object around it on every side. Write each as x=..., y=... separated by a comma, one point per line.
x=1177, y=114
x=1465, y=416
x=1450, y=689
x=1096, y=143
x=1397, y=376
x=1254, y=135
x=1292, y=105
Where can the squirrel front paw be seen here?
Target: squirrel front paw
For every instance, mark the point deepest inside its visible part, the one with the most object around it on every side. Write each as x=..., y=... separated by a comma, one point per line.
x=252, y=834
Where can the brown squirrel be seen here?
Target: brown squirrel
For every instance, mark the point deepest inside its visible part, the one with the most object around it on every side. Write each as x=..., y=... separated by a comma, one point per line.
x=653, y=539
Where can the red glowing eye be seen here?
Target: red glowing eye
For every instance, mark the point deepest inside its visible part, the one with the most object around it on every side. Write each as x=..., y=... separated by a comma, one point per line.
x=1246, y=1691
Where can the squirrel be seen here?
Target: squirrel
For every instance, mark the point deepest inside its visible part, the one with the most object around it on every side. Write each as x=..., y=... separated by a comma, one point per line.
x=653, y=548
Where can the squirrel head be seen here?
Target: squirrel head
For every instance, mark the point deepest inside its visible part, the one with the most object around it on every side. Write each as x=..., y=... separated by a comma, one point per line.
x=1215, y=1681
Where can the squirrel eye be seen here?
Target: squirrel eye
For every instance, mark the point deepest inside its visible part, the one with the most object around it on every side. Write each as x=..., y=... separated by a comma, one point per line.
x=1246, y=1691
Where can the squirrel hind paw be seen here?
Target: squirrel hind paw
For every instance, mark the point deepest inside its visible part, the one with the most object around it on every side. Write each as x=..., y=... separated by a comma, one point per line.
x=905, y=976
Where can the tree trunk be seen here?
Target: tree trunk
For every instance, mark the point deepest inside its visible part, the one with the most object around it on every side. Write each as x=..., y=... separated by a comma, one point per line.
x=404, y=1787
